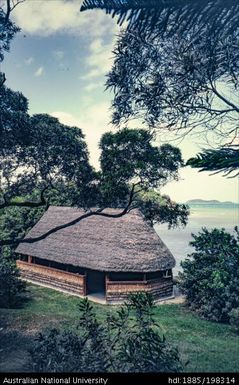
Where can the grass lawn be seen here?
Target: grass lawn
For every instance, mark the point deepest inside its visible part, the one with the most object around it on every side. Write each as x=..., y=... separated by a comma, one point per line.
x=207, y=346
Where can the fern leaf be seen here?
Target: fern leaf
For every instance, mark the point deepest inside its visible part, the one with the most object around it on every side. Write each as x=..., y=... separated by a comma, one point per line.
x=163, y=16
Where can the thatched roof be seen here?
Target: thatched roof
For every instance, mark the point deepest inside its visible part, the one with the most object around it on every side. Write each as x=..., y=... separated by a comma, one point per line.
x=125, y=244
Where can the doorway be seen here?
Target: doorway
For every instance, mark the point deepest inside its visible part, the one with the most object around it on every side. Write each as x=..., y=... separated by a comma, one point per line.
x=95, y=283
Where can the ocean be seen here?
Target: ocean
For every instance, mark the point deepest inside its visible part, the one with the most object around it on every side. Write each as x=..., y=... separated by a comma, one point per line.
x=202, y=215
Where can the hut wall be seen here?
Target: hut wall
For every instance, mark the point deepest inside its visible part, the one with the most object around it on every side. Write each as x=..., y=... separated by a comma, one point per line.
x=57, y=279
x=159, y=288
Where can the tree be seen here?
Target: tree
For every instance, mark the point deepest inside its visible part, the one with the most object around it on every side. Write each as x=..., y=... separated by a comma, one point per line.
x=40, y=158
x=130, y=165
x=157, y=208
x=170, y=16
x=210, y=277
x=43, y=161
x=14, y=121
x=8, y=29
x=16, y=221
x=176, y=67
x=225, y=160
x=36, y=152
x=176, y=84
x=128, y=156
x=129, y=341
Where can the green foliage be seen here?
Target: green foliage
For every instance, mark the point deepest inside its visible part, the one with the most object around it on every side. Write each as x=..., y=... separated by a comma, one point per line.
x=14, y=121
x=10, y=284
x=41, y=159
x=210, y=277
x=15, y=222
x=129, y=158
x=224, y=160
x=176, y=67
x=48, y=150
x=68, y=352
x=129, y=341
x=7, y=31
x=52, y=350
x=171, y=16
x=158, y=208
x=57, y=157
x=141, y=346
x=174, y=83
x=234, y=319
x=61, y=149
x=207, y=346
x=44, y=162
x=129, y=154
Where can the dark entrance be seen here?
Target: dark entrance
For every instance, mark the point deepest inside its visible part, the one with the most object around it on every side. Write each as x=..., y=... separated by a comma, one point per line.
x=95, y=283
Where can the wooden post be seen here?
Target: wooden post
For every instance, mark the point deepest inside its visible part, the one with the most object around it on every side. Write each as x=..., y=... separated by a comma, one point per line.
x=29, y=259
x=106, y=285
x=85, y=283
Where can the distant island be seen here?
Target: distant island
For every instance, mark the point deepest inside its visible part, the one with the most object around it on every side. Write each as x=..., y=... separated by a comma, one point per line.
x=209, y=202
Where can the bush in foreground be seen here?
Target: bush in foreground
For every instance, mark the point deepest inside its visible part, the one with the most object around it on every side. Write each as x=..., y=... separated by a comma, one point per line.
x=210, y=277
x=10, y=284
x=234, y=319
x=128, y=341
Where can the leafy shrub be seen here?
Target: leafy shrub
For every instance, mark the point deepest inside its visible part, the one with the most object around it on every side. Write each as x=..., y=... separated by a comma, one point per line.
x=10, y=284
x=128, y=341
x=140, y=346
x=234, y=319
x=210, y=277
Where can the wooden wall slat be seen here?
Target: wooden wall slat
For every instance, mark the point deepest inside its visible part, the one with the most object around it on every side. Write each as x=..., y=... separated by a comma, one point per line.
x=52, y=277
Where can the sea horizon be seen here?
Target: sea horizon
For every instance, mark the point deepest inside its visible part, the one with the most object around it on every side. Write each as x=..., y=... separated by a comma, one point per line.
x=201, y=215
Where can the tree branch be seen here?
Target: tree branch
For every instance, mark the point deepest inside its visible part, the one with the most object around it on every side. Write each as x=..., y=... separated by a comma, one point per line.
x=72, y=223
x=10, y=8
x=14, y=5
x=2, y=79
x=30, y=204
x=225, y=100
x=7, y=15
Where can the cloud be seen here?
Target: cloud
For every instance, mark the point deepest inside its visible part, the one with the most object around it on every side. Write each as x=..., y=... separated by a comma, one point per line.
x=29, y=61
x=93, y=122
x=41, y=17
x=58, y=55
x=92, y=86
x=99, y=61
x=44, y=18
x=39, y=72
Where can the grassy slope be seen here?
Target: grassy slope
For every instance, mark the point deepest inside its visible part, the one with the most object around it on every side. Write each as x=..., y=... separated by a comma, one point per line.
x=206, y=345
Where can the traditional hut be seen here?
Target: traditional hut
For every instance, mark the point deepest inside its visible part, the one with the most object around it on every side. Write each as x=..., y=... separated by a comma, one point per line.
x=99, y=256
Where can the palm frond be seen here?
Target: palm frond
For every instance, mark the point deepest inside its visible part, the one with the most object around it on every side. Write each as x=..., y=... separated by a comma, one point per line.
x=170, y=16
x=224, y=160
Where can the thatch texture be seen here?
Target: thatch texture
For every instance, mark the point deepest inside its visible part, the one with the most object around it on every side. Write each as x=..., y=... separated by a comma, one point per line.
x=126, y=244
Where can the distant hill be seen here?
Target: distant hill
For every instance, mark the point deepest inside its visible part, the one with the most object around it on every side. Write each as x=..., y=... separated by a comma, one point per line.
x=209, y=202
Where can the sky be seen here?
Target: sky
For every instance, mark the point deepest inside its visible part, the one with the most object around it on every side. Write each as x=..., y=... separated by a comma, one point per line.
x=59, y=61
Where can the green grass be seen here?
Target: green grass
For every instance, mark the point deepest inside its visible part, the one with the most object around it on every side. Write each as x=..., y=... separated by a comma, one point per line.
x=207, y=346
